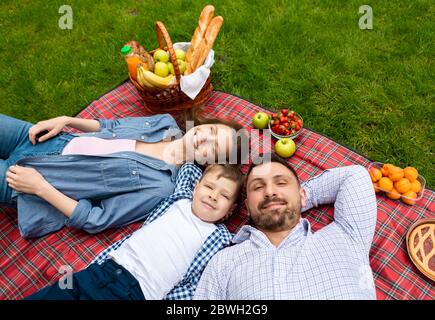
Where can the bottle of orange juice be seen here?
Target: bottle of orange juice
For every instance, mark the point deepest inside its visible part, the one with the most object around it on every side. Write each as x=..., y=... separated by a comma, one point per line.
x=132, y=61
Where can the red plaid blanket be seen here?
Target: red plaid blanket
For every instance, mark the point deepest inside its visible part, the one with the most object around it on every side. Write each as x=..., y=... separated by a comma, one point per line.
x=28, y=265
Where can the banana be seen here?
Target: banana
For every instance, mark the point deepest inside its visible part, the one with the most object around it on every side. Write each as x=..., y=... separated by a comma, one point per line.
x=157, y=81
x=141, y=78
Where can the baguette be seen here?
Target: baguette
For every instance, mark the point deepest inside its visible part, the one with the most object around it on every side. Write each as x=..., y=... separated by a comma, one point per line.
x=203, y=22
x=201, y=52
x=205, y=18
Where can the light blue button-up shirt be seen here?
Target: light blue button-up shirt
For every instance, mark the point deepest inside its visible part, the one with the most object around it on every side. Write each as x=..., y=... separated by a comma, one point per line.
x=332, y=263
x=112, y=190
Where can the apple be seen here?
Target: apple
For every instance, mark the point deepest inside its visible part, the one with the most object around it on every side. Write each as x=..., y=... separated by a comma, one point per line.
x=260, y=120
x=180, y=54
x=171, y=68
x=181, y=66
x=161, y=56
x=161, y=69
x=285, y=147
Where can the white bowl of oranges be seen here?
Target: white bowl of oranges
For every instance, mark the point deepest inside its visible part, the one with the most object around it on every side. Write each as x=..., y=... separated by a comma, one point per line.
x=397, y=183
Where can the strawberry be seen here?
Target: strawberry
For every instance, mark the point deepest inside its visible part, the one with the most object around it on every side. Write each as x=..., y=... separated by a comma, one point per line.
x=283, y=119
x=284, y=112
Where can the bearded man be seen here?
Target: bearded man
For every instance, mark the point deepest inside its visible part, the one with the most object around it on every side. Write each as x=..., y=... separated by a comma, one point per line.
x=278, y=256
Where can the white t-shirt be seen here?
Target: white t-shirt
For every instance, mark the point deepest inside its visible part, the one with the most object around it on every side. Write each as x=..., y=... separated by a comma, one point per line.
x=160, y=253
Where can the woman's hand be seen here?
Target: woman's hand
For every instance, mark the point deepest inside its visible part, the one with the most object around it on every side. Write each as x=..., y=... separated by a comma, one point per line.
x=26, y=180
x=52, y=126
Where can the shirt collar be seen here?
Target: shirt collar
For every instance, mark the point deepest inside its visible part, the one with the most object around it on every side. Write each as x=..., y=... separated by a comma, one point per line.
x=248, y=232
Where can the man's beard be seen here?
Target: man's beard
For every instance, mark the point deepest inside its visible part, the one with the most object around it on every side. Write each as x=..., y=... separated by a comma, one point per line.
x=277, y=219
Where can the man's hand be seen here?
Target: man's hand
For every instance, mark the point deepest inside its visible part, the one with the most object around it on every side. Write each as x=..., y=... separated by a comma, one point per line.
x=26, y=180
x=51, y=126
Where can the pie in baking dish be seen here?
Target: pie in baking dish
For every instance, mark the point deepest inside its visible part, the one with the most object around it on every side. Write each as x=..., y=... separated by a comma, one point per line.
x=421, y=246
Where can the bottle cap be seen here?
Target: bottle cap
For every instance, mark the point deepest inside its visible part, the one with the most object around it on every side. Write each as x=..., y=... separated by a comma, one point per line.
x=126, y=50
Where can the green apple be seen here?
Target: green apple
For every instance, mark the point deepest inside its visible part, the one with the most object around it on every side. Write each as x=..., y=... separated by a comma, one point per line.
x=260, y=120
x=180, y=54
x=171, y=68
x=181, y=65
x=161, y=69
x=161, y=56
x=285, y=147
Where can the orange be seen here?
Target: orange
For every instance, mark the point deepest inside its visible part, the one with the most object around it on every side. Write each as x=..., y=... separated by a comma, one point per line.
x=395, y=173
x=410, y=173
x=386, y=184
x=375, y=174
x=393, y=194
x=375, y=186
x=403, y=185
x=416, y=186
x=409, y=194
x=385, y=169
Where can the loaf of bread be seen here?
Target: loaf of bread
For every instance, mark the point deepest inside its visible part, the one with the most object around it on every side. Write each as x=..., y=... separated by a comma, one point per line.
x=200, y=52
x=204, y=20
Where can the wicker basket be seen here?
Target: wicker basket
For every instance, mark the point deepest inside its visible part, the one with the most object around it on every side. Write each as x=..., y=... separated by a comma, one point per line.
x=172, y=99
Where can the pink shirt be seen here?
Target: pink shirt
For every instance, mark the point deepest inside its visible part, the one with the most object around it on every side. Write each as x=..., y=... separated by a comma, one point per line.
x=98, y=146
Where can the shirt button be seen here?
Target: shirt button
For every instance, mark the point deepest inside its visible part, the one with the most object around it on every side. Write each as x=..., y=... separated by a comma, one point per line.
x=134, y=172
x=114, y=135
x=147, y=123
x=142, y=137
x=118, y=271
x=94, y=133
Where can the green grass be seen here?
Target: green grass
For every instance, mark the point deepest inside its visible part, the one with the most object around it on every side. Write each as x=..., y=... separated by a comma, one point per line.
x=372, y=90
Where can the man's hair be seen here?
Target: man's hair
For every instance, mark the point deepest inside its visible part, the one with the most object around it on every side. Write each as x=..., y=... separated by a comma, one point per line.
x=239, y=139
x=272, y=157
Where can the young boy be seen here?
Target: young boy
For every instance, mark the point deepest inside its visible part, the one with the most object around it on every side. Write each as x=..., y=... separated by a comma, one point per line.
x=164, y=259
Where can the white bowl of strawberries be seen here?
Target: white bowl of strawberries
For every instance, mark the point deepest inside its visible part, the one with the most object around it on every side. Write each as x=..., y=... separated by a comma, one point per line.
x=285, y=124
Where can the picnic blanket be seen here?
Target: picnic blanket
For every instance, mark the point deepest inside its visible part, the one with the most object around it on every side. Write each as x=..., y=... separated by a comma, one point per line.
x=29, y=265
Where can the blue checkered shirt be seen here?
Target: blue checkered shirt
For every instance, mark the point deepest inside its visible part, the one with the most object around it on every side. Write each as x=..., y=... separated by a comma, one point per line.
x=332, y=263
x=186, y=179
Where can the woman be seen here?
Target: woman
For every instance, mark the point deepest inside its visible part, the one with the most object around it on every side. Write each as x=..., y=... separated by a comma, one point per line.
x=111, y=175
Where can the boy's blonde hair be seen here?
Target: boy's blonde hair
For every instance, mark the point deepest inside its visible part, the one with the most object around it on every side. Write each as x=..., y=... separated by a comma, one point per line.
x=229, y=171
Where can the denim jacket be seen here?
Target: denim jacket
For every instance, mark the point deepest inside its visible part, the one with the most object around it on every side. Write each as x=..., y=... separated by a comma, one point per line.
x=112, y=190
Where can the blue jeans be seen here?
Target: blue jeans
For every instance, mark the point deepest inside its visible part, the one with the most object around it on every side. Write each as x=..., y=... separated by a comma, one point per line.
x=15, y=145
x=108, y=281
